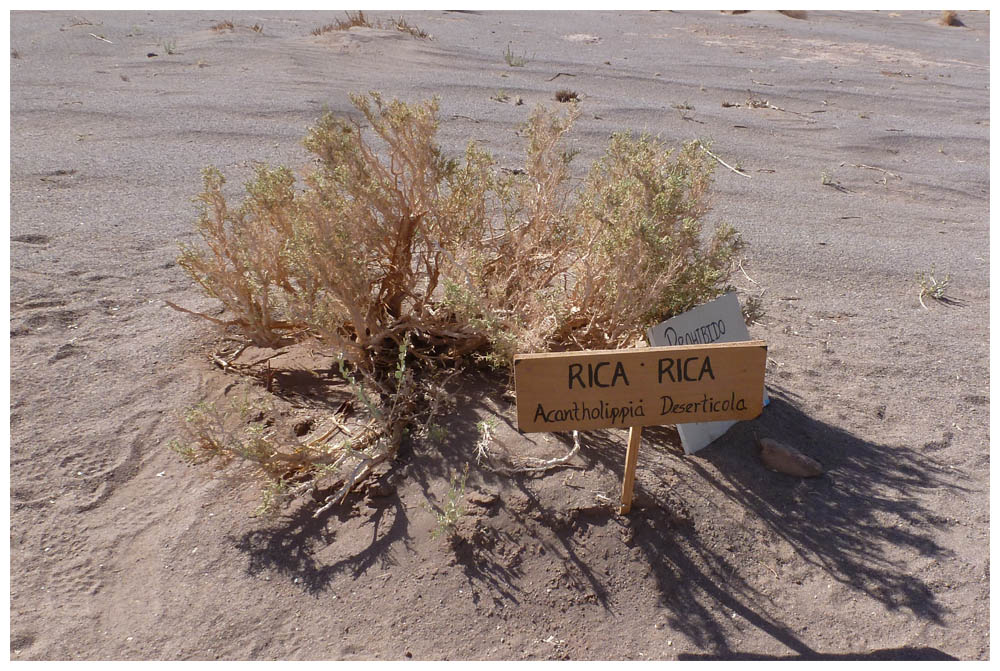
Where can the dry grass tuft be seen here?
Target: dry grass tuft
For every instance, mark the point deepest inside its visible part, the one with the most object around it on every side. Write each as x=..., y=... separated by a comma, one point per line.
x=402, y=26
x=566, y=96
x=359, y=20
x=224, y=25
x=512, y=59
x=949, y=17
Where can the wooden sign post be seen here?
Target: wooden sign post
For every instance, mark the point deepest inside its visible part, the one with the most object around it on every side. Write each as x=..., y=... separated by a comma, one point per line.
x=631, y=459
x=639, y=387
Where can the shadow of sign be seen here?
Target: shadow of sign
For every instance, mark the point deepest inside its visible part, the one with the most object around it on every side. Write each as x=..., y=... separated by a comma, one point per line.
x=845, y=521
x=883, y=655
x=850, y=524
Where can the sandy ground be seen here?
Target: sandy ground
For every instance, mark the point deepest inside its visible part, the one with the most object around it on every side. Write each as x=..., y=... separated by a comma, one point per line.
x=868, y=166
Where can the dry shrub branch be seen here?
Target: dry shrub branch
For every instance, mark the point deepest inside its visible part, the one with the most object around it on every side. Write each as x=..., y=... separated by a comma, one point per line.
x=392, y=252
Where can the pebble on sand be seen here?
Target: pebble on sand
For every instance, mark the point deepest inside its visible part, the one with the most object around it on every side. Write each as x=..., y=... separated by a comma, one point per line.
x=788, y=460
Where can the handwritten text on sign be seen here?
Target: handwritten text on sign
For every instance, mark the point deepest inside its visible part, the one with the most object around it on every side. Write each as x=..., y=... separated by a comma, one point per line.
x=639, y=387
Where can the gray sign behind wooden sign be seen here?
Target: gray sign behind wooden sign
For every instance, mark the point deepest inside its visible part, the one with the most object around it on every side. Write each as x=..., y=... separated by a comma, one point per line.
x=718, y=321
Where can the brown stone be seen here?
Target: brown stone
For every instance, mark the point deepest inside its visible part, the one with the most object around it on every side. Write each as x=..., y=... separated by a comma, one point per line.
x=786, y=459
x=303, y=426
x=482, y=499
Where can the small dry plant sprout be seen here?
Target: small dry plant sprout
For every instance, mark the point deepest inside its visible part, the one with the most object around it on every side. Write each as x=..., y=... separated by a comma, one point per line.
x=566, y=96
x=931, y=287
x=404, y=264
x=454, y=506
x=826, y=179
x=402, y=26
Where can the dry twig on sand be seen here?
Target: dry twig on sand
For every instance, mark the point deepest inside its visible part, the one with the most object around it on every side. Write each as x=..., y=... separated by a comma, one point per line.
x=530, y=464
x=544, y=465
x=755, y=283
x=760, y=103
x=736, y=170
x=872, y=167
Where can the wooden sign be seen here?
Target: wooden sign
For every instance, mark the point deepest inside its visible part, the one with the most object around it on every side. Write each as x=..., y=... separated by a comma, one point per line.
x=719, y=320
x=639, y=387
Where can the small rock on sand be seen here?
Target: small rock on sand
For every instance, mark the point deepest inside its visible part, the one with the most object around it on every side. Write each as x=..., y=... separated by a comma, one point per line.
x=786, y=459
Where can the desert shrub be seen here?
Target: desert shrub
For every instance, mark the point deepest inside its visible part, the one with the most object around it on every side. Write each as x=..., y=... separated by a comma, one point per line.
x=391, y=246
